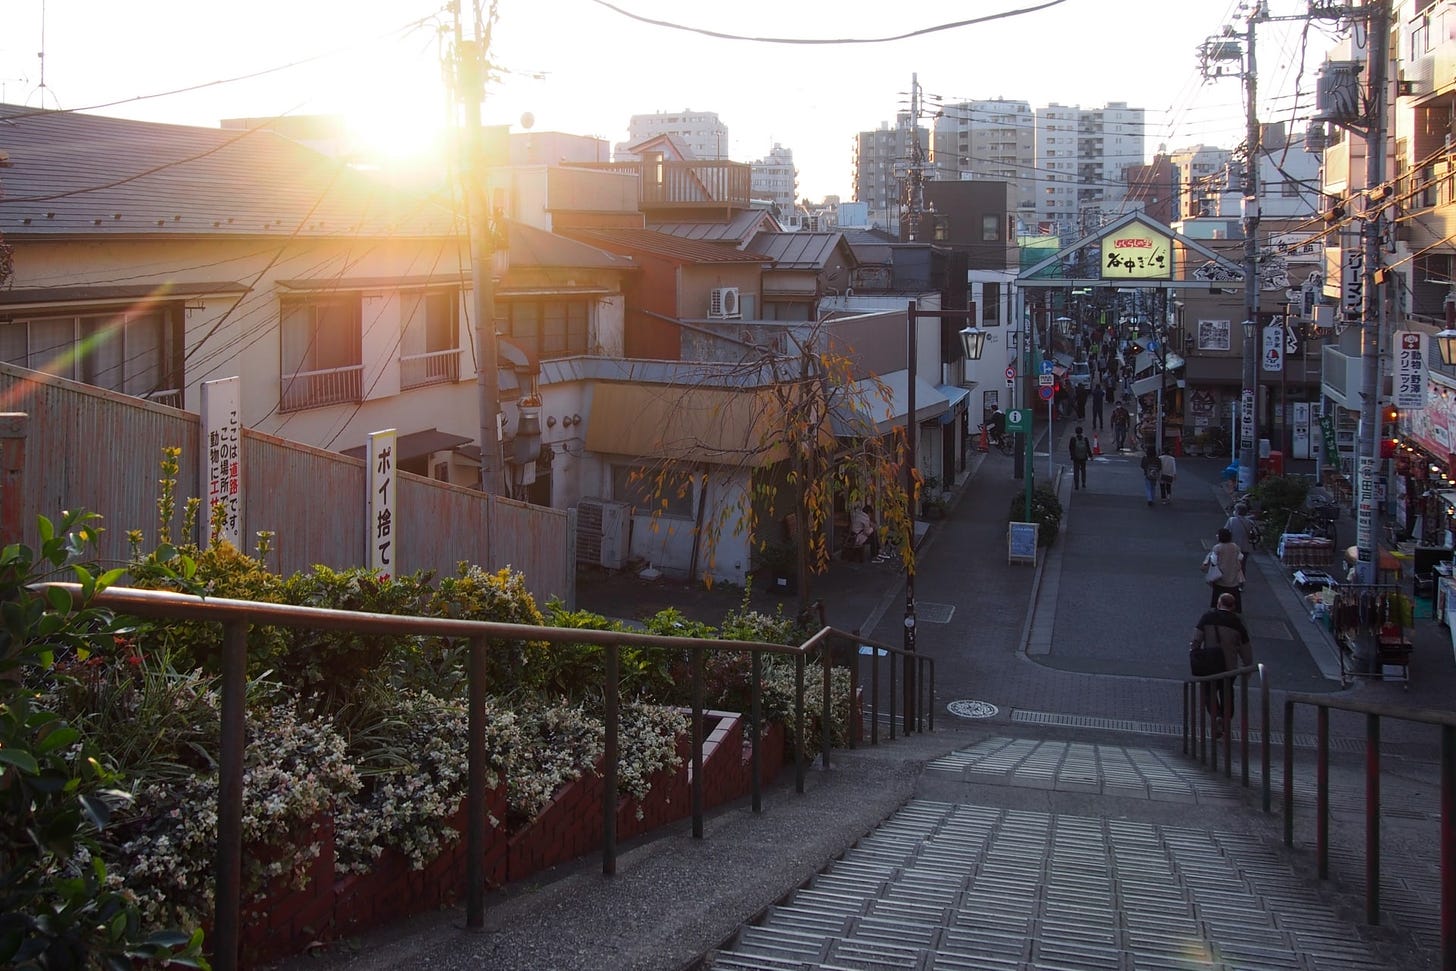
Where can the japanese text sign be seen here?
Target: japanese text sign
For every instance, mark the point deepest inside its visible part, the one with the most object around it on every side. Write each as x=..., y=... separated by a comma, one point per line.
x=380, y=521
x=222, y=462
x=1137, y=252
x=1409, y=390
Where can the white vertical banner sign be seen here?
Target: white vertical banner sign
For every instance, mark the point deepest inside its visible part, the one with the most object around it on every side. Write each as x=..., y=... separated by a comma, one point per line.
x=222, y=461
x=380, y=528
x=1301, y=441
x=1409, y=388
x=1272, y=359
x=1352, y=281
x=1246, y=424
x=1365, y=510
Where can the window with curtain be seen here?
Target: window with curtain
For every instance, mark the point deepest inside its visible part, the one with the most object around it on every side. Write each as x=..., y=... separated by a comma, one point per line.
x=129, y=352
x=546, y=328
x=429, y=347
x=321, y=356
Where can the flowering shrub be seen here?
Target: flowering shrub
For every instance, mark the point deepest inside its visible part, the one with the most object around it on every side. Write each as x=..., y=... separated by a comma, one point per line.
x=476, y=594
x=295, y=770
x=649, y=745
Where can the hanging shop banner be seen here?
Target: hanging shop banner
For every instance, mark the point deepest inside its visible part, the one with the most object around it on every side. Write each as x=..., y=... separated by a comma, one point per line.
x=222, y=460
x=1272, y=360
x=1409, y=391
x=1137, y=252
x=1329, y=443
x=1352, y=282
x=380, y=525
x=1433, y=427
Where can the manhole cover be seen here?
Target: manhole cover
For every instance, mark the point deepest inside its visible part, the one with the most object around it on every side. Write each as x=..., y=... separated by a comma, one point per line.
x=934, y=613
x=972, y=709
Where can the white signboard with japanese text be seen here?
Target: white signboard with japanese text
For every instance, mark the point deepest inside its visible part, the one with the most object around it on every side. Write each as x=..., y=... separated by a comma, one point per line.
x=222, y=462
x=1272, y=359
x=380, y=524
x=1365, y=512
x=1300, y=445
x=1409, y=389
x=1352, y=282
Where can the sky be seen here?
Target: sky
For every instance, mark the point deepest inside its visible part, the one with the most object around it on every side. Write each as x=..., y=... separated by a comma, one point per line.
x=580, y=66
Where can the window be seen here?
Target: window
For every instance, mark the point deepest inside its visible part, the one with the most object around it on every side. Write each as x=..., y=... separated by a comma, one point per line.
x=322, y=357
x=990, y=302
x=990, y=228
x=1289, y=189
x=133, y=353
x=429, y=349
x=653, y=490
x=546, y=328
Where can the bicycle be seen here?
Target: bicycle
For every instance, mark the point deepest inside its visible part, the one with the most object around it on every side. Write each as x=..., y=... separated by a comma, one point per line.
x=1004, y=444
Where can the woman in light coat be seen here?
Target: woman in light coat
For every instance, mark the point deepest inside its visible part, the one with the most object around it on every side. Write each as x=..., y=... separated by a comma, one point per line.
x=1226, y=556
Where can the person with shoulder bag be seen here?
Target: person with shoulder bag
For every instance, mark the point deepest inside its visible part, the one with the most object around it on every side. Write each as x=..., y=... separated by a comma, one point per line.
x=1152, y=467
x=1223, y=570
x=1220, y=643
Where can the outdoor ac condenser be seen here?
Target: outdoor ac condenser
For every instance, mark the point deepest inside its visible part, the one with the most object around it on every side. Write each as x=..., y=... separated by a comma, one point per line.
x=603, y=532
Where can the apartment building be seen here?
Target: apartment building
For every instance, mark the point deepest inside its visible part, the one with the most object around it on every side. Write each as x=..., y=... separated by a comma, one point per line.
x=992, y=140
x=701, y=132
x=1081, y=156
x=882, y=161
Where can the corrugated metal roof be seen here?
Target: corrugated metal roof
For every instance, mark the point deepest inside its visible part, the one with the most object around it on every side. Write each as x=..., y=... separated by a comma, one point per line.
x=738, y=230
x=662, y=244
x=797, y=251
x=536, y=247
x=74, y=174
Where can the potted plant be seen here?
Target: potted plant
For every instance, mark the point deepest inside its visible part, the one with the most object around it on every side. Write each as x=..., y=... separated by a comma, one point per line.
x=934, y=501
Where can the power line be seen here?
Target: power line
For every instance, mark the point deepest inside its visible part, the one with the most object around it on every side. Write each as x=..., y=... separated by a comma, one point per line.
x=721, y=35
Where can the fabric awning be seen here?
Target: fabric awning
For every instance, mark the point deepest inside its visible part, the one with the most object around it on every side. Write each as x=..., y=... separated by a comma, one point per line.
x=416, y=445
x=887, y=410
x=685, y=424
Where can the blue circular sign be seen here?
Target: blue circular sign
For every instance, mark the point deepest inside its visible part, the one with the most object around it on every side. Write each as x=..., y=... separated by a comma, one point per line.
x=1046, y=393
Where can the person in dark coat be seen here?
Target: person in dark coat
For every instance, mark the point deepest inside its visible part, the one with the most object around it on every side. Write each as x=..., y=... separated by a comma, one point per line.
x=1081, y=402
x=1221, y=628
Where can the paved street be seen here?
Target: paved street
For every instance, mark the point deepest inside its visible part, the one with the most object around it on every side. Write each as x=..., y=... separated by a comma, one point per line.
x=1067, y=830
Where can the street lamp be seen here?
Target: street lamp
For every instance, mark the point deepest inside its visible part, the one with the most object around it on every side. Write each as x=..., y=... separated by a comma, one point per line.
x=1446, y=344
x=973, y=341
x=912, y=435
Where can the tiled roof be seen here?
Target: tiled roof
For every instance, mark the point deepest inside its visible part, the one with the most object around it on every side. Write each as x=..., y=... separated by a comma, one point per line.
x=663, y=244
x=73, y=174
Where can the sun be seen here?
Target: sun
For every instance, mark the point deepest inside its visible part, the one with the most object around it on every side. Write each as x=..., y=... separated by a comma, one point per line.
x=395, y=130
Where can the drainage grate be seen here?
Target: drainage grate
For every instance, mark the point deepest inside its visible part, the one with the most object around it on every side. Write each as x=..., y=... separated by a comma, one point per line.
x=933, y=613
x=1301, y=740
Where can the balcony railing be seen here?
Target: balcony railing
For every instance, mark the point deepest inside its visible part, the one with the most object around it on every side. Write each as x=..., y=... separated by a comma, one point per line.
x=687, y=184
x=432, y=367
x=314, y=389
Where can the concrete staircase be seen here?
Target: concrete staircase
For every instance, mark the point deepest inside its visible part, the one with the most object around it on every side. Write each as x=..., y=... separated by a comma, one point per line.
x=1065, y=856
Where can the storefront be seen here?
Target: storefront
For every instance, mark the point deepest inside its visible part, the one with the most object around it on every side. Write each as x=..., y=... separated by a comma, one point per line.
x=1425, y=493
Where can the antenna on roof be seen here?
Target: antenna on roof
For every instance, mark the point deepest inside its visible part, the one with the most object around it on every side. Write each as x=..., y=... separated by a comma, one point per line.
x=41, y=56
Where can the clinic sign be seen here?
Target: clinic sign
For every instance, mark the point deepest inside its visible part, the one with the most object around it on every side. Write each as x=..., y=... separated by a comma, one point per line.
x=1409, y=390
x=1137, y=252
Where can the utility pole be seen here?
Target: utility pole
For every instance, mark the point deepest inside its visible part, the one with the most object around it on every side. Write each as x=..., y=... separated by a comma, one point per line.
x=915, y=181
x=470, y=74
x=1249, y=399
x=1375, y=337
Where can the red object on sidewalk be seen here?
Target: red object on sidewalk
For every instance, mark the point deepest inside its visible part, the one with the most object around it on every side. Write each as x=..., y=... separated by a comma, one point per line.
x=1096, y=444
x=1178, y=447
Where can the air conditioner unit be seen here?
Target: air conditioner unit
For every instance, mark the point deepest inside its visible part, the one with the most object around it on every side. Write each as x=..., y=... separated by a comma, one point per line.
x=723, y=302
x=602, y=532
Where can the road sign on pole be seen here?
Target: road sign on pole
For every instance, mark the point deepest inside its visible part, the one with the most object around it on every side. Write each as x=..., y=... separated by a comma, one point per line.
x=1010, y=373
x=1018, y=420
x=1046, y=367
x=1045, y=380
x=1046, y=392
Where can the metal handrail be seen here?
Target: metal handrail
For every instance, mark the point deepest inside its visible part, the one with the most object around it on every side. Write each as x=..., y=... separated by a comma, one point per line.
x=236, y=616
x=1196, y=720
x=1373, y=712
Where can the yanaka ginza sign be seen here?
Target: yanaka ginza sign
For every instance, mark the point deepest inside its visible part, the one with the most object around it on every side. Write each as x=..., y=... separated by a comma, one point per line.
x=1136, y=252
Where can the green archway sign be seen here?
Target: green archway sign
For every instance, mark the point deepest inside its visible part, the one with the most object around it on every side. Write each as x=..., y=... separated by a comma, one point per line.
x=1019, y=420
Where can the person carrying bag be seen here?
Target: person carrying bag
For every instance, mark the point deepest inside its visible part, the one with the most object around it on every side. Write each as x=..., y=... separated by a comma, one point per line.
x=1223, y=570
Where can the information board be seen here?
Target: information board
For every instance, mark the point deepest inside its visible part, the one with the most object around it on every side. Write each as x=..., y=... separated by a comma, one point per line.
x=1021, y=542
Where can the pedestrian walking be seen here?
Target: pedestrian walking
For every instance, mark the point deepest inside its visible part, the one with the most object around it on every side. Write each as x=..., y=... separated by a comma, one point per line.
x=1244, y=530
x=1120, y=422
x=1223, y=570
x=1152, y=468
x=1097, y=398
x=1080, y=450
x=1169, y=473
x=1081, y=402
x=1220, y=643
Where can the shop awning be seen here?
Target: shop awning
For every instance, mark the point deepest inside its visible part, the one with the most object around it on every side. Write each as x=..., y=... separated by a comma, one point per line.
x=955, y=397
x=415, y=445
x=685, y=424
x=887, y=409
x=1448, y=496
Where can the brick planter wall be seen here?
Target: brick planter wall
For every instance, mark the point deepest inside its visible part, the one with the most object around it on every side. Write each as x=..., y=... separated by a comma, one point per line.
x=285, y=921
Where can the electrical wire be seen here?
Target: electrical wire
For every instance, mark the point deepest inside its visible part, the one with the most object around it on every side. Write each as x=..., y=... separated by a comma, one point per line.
x=921, y=32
